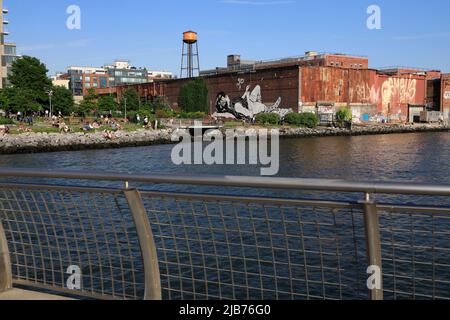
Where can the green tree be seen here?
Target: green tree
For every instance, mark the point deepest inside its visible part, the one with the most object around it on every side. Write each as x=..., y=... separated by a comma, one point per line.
x=194, y=96
x=107, y=104
x=62, y=100
x=22, y=100
x=28, y=73
x=4, y=100
x=89, y=103
x=131, y=98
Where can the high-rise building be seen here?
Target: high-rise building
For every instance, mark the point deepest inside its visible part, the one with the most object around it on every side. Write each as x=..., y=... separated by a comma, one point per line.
x=7, y=50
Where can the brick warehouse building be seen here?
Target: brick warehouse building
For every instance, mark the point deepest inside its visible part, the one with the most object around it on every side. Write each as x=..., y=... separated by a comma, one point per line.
x=315, y=83
x=445, y=96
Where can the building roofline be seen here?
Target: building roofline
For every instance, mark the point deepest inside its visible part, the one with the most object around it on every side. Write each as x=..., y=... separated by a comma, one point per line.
x=388, y=68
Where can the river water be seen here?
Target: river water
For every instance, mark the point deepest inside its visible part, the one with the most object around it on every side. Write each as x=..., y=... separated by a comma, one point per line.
x=410, y=158
x=421, y=158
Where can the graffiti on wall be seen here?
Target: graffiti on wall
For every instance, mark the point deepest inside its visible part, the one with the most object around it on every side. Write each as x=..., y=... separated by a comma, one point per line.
x=367, y=94
x=240, y=82
x=395, y=90
x=246, y=107
x=447, y=95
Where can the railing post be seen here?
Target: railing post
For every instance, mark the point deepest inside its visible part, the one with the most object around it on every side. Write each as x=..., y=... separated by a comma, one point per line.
x=147, y=244
x=373, y=240
x=5, y=263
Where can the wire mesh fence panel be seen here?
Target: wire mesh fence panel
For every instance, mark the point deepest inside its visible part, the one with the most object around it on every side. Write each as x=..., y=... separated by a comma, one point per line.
x=416, y=253
x=245, y=248
x=53, y=231
x=223, y=246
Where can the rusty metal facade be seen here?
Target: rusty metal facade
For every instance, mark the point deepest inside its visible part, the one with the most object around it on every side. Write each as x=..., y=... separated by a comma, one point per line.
x=298, y=86
x=445, y=93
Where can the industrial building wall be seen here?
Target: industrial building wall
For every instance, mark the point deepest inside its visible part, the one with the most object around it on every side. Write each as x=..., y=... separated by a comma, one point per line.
x=370, y=94
x=445, y=92
x=390, y=94
x=274, y=83
x=397, y=92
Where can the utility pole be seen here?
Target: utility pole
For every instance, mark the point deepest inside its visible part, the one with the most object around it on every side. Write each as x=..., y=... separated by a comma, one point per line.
x=125, y=99
x=50, y=95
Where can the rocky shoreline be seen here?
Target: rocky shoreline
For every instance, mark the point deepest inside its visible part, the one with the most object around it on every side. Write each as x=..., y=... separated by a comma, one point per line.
x=363, y=130
x=52, y=142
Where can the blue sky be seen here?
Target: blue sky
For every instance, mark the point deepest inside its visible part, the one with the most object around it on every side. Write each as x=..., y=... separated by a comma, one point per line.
x=148, y=32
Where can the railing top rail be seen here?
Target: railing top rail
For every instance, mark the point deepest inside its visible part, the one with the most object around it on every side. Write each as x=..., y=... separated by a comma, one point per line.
x=242, y=181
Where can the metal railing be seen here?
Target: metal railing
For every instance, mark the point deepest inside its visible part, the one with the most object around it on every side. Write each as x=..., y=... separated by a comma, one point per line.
x=131, y=244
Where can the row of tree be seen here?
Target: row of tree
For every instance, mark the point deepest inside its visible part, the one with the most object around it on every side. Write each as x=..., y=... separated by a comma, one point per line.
x=30, y=90
x=101, y=104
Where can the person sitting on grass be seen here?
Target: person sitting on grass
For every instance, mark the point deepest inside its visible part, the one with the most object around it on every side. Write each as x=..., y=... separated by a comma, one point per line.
x=88, y=127
x=22, y=128
x=96, y=125
x=115, y=126
x=63, y=128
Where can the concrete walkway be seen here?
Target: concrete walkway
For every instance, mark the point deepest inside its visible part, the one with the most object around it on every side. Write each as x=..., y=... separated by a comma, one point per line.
x=23, y=295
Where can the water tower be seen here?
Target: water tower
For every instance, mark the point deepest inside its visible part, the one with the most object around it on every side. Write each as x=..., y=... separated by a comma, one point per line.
x=190, y=61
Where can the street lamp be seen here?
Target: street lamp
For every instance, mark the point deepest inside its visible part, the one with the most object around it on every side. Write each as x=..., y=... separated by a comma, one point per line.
x=50, y=95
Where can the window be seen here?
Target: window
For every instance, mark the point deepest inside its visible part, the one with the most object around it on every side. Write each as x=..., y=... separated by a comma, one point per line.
x=103, y=83
x=10, y=50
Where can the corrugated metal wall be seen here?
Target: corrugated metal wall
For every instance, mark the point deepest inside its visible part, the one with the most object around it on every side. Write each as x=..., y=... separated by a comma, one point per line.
x=445, y=92
x=391, y=94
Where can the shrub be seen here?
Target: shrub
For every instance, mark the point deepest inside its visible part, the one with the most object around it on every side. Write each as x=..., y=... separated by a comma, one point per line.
x=268, y=118
x=194, y=96
x=146, y=113
x=192, y=115
x=4, y=121
x=159, y=104
x=162, y=114
x=306, y=119
x=344, y=115
x=131, y=116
